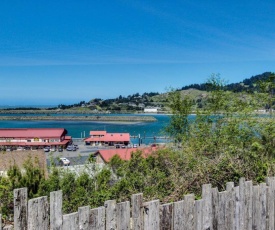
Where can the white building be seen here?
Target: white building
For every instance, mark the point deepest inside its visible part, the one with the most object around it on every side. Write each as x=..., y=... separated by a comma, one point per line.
x=150, y=110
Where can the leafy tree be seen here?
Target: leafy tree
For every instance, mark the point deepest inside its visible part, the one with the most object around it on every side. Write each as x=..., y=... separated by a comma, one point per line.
x=178, y=127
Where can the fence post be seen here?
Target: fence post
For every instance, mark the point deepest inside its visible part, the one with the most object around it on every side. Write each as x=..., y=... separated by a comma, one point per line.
x=38, y=217
x=137, y=211
x=178, y=215
x=71, y=221
x=222, y=199
x=188, y=211
x=84, y=217
x=199, y=210
x=270, y=203
x=256, y=207
x=56, y=217
x=151, y=215
x=236, y=224
x=207, y=206
x=20, y=200
x=166, y=216
x=123, y=215
x=215, y=208
x=242, y=203
x=229, y=220
x=97, y=218
x=110, y=206
x=248, y=204
x=263, y=206
x=0, y=221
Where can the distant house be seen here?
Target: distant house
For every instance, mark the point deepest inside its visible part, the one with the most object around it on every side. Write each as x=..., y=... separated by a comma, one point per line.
x=104, y=156
x=150, y=110
x=102, y=138
x=34, y=137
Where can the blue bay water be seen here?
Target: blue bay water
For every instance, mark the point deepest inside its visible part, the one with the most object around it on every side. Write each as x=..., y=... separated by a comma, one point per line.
x=76, y=129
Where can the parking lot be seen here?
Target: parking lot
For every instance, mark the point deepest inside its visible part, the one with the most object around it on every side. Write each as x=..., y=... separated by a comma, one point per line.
x=77, y=157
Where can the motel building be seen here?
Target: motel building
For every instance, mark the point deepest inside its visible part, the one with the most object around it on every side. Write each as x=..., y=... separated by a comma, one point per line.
x=34, y=138
x=102, y=138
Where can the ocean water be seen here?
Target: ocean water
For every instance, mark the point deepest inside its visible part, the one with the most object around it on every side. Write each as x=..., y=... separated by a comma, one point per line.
x=78, y=129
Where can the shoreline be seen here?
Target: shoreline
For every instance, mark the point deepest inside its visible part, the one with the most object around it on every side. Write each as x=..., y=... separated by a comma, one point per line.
x=107, y=119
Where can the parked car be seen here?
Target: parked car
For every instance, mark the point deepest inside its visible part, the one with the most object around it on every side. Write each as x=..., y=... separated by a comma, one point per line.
x=46, y=149
x=60, y=149
x=71, y=148
x=64, y=161
x=135, y=146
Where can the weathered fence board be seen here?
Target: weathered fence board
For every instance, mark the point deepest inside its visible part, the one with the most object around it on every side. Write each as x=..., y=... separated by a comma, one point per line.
x=242, y=203
x=38, y=217
x=256, y=208
x=166, y=217
x=110, y=206
x=236, y=224
x=0, y=221
x=189, y=212
x=263, y=206
x=70, y=221
x=270, y=203
x=207, y=206
x=215, y=208
x=222, y=196
x=20, y=199
x=151, y=215
x=178, y=215
x=123, y=215
x=137, y=211
x=230, y=206
x=248, y=204
x=56, y=216
x=198, y=219
x=97, y=218
x=84, y=217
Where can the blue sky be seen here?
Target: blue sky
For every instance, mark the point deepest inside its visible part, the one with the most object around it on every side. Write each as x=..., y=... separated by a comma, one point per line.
x=54, y=52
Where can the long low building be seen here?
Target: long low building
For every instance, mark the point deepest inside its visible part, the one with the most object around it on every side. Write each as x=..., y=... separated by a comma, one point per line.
x=34, y=138
x=102, y=138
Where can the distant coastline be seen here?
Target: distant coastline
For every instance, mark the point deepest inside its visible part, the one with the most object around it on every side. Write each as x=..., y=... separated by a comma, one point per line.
x=81, y=118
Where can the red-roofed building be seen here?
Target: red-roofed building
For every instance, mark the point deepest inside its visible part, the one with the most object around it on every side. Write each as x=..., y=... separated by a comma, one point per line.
x=104, y=156
x=102, y=138
x=34, y=137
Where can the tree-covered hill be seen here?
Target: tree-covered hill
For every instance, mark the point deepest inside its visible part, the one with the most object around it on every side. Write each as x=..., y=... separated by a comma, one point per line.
x=248, y=83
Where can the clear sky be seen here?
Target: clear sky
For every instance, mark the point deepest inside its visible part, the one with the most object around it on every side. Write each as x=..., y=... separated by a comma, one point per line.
x=65, y=51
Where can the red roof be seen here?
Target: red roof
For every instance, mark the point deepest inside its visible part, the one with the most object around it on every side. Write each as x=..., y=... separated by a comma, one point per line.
x=124, y=154
x=111, y=137
x=34, y=132
x=98, y=133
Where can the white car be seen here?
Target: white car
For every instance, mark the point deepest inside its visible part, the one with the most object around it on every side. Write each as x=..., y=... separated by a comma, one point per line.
x=64, y=161
x=135, y=146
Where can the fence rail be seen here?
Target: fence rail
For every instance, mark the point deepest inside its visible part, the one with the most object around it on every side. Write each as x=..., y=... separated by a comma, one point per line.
x=243, y=207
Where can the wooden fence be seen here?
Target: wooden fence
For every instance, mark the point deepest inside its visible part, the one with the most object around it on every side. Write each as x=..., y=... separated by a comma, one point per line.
x=243, y=207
